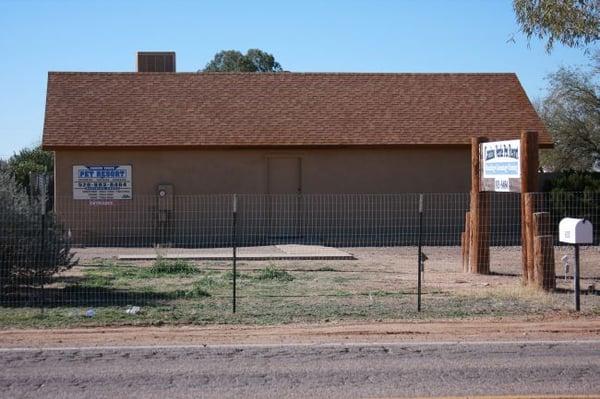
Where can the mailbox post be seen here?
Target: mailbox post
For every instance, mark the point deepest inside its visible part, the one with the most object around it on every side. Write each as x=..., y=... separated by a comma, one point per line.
x=576, y=283
x=576, y=232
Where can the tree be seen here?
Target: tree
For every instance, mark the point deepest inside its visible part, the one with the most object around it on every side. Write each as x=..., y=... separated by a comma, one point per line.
x=30, y=160
x=574, y=23
x=571, y=112
x=254, y=60
x=33, y=247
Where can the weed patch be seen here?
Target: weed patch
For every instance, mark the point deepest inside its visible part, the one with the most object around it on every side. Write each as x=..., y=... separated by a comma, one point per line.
x=178, y=267
x=228, y=275
x=210, y=282
x=272, y=273
x=197, y=291
x=326, y=269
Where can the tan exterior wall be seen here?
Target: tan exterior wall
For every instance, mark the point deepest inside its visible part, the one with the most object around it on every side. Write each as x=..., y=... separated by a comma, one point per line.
x=333, y=220
x=245, y=171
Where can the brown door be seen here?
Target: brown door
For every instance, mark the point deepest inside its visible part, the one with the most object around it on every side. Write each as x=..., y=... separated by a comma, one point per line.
x=284, y=187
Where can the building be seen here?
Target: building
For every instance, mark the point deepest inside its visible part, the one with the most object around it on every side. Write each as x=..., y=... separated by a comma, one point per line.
x=124, y=138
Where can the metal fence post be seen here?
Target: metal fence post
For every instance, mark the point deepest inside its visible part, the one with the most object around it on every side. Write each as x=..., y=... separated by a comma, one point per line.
x=419, y=255
x=576, y=287
x=41, y=183
x=234, y=248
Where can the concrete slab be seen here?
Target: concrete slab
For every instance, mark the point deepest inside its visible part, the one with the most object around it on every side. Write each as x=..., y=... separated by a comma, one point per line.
x=275, y=252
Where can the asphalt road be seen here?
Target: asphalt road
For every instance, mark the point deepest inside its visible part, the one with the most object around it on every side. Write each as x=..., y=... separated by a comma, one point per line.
x=331, y=371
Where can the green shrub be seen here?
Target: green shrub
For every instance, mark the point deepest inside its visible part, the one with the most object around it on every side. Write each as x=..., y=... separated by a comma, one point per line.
x=273, y=273
x=33, y=247
x=573, y=181
x=575, y=194
x=166, y=267
x=27, y=161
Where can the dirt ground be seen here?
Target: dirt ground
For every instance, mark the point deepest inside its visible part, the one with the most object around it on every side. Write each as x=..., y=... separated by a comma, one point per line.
x=443, y=268
x=560, y=327
x=378, y=286
x=373, y=269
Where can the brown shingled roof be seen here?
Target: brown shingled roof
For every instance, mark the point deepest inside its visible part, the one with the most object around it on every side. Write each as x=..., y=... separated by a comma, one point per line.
x=104, y=110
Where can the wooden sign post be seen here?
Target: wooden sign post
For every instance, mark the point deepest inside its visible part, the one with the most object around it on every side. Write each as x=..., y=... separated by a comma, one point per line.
x=501, y=166
x=479, y=246
x=529, y=184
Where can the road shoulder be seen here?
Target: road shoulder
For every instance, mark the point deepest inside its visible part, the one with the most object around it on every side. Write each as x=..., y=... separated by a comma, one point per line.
x=512, y=329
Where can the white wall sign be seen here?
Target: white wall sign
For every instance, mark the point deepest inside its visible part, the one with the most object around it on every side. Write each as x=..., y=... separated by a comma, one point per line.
x=102, y=182
x=500, y=159
x=500, y=166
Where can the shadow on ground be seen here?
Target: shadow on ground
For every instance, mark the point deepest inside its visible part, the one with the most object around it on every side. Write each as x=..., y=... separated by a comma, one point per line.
x=77, y=293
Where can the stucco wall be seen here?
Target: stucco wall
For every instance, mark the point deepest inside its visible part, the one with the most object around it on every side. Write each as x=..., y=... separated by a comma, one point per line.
x=333, y=220
x=245, y=171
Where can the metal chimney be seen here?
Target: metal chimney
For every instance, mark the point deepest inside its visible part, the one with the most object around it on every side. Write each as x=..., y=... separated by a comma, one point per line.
x=156, y=61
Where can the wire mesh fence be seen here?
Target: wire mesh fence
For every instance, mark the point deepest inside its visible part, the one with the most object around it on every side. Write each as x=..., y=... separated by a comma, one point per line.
x=206, y=221
x=300, y=257
x=550, y=209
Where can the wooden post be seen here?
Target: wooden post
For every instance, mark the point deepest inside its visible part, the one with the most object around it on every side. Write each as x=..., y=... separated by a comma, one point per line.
x=542, y=225
x=484, y=232
x=543, y=250
x=544, y=271
x=529, y=210
x=529, y=167
x=463, y=250
x=479, y=248
x=467, y=242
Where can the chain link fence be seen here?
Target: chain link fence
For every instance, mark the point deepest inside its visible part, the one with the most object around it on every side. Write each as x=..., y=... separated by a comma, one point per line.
x=298, y=257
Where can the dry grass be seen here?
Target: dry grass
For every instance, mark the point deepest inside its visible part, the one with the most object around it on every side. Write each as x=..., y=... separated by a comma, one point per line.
x=379, y=285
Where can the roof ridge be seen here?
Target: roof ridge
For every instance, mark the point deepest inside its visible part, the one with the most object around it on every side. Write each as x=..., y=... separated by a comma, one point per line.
x=283, y=73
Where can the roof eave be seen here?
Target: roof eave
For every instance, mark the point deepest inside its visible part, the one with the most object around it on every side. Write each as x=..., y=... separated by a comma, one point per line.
x=50, y=147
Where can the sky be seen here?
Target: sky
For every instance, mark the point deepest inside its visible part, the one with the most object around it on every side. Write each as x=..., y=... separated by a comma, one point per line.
x=305, y=36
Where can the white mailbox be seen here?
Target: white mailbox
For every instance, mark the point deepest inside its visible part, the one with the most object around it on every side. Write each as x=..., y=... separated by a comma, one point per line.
x=575, y=231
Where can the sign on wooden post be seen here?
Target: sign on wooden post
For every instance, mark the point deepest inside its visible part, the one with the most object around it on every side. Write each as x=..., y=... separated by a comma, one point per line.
x=501, y=169
x=502, y=166
x=529, y=167
x=479, y=246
